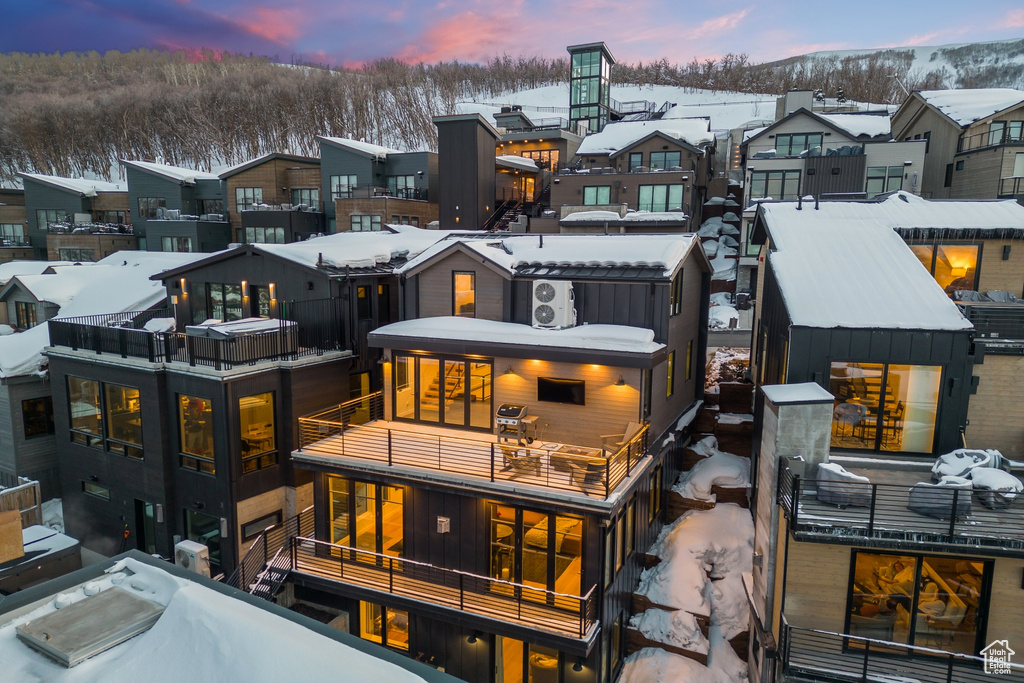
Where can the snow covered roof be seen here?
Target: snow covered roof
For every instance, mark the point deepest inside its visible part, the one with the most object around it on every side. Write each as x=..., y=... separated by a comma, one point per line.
x=613, y=338
x=82, y=186
x=12, y=268
x=843, y=265
x=518, y=251
x=857, y=125
x=968, y=105
x=617, y=137
x=356, y=249
x=118, y=283
x=793, y=394
x=747, y=134
x=513, y=161
x=183, y=175
x=202, y=628
x=362, y=147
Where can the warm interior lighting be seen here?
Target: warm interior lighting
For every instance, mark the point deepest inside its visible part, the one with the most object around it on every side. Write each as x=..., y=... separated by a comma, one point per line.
x=384, y=358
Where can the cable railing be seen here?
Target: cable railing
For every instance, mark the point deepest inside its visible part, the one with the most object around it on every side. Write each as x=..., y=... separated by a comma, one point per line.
x=815, y=655
x=992, y=138
x=348, y=430
x=933, y=516
x=571, y=615
x=999, y=326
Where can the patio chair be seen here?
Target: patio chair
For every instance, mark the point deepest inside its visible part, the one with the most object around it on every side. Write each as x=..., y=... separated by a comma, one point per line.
x=522, y=464
x=589, y=475
x=611, y=443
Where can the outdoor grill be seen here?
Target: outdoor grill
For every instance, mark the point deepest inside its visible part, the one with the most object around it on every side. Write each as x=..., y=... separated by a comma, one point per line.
x=511, y=421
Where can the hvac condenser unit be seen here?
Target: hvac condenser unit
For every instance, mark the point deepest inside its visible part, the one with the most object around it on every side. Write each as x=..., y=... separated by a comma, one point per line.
x=553, y=304
x=192, y=556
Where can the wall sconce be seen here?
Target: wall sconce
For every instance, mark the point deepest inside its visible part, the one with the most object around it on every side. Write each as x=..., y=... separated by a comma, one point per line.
x=245, y=288
x=273, y=294
x=223, y=527
x=578, y=666
x=419, y=172
x=159, y=513
x=198, y=505
x=509, y=371
x=1006, y=252
x=384, y=359
x=556, y=181
x=620, y=382
x=473, y=637
x=181, y=284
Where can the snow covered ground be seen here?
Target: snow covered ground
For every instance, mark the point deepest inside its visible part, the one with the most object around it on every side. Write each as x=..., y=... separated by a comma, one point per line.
x=717, y=469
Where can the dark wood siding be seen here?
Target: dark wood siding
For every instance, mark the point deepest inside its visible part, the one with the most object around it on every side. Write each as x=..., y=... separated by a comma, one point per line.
x=821, y=176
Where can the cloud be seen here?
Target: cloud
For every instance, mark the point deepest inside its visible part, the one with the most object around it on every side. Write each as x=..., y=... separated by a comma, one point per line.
x=1014, y=19
x=277, y=25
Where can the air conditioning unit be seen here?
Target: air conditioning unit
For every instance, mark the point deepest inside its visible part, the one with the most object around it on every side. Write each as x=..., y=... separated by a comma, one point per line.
x=192, y=556
x=553, y=304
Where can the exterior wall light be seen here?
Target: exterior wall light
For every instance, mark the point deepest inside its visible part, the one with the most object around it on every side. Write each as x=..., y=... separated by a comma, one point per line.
x=620, y=382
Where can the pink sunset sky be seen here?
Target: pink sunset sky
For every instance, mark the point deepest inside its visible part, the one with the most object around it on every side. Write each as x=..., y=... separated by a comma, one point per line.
x=351, y=32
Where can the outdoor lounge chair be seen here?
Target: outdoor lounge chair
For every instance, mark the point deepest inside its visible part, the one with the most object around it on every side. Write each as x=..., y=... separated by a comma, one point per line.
x=590, y=474
x=611, y=443
x=522, y=464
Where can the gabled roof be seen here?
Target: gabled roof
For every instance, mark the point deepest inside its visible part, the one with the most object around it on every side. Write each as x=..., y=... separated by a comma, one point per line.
x=618, y=137
x=365, y=149
x=185, y=176
x=579, y=256
x=965, y=106
x=842, y=265
x=246, y=165
x=80, y=186
x=856, y=126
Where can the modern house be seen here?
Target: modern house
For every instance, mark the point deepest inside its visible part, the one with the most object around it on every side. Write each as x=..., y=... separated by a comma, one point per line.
x=974, y=141
x=655, y=166
x=176, y=209
x=846, y=154
x=74, y=219
x=366, y=186
x=14, y=242
x=897, y=354
x=28, y=445
x=276, y=199
x=176, y=422
x=477, y=498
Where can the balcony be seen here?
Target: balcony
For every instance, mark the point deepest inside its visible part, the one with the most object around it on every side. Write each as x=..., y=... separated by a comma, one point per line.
x=282, y=203
x=307, y=329
x=61, y=228
x=1011, y=187
x=355, y=432
x=995, y=138
x=885, y=520
x=570, y=616
x=807, y=654
x=999, y=326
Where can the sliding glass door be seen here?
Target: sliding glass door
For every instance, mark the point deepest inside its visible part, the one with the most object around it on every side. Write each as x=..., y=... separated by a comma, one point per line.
x=449, y=391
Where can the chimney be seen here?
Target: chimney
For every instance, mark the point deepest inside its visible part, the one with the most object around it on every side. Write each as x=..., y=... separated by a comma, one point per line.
x=541, y=236
x=799, y=203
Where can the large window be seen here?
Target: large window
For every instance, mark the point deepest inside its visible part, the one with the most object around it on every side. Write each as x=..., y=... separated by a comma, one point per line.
x=247, y=197
x=536, y=549
x=342, y=186
x=954, y=266
x=75, y=254
x=795, y=144
x=666, y=160
x=256, y=426
x=107, y=416
x=195, y=419
x=660, y=198
x=222, y=302
x=26, y=314
x=464, y=294
x=151, y=207
x=385, y=625
x=365, y=223
x=593, y=196
x=264, y=236
x=924, y=600
x=37, y=416
x=205, y=529
x=885, y=407
x=636, y=160
x=403, y=186
x=183, y=244
x=675, y=300
x=670, y=374
x=774, y=184
x=521, y=662
x=366, y=516
x=310, y=196
x=452, y=391
x=13, y=234
x=884, y=179
x=208, y=206
x=546, y=159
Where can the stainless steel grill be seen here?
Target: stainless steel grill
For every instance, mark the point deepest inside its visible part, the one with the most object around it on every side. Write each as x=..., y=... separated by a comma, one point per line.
x=510, y=421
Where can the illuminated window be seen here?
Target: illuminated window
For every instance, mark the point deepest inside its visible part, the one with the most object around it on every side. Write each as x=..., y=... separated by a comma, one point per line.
x=384, y=625
x=107, y=416
x=675, y=301
x=366, y=516
x=464, y=294
x=954, y=266
x=689, y=360
x=26, y=314
x=256, y=423
x=670, y=374
x=195, y=421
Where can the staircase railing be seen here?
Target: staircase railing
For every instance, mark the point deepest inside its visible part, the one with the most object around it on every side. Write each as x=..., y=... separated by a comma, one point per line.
x=250, y=572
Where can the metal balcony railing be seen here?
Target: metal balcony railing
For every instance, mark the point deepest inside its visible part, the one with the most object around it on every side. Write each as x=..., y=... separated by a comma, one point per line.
x=1011, y=187
x=67, y=228
x=249, y=575
x=352, y=430
x=1000, y=326
x=995, y=138
x=881, y=514
x=807, y=654
x=570, y=615
x=305, y=328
